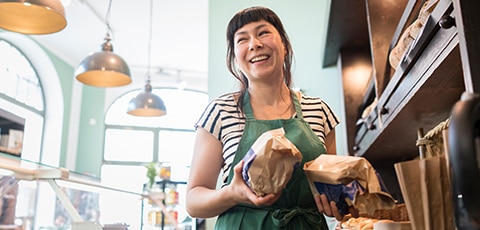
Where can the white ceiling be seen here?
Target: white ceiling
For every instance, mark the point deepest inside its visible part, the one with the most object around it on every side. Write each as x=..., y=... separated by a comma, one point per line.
x=179, y=37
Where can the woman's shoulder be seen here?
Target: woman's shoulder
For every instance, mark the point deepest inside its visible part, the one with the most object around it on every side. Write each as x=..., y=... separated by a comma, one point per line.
x=225, y=102
x=308, y=99
x=227, y=99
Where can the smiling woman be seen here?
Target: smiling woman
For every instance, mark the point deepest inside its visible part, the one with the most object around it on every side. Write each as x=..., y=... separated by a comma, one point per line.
x=259, y=55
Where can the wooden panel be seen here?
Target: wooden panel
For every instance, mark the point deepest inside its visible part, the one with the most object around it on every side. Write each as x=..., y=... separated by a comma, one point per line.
x=356, y=67
x=347, y=28
x=468, y=23
x=383, y=18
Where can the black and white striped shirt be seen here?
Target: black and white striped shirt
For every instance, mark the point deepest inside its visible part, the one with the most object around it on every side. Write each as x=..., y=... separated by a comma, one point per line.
x=223, y=120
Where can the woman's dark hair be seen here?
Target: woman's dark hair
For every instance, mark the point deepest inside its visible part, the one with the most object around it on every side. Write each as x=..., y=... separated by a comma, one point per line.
x=246, y=16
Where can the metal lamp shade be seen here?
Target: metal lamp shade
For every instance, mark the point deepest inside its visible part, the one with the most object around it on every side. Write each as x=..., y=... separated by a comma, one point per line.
x=103, y=69
x=32, y=16
x=147, y=104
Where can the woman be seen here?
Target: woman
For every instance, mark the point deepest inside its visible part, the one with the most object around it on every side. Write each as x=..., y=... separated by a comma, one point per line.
x=260, y=56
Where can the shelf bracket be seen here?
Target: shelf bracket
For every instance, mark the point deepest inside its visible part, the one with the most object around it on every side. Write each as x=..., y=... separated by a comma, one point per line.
x=65, y=201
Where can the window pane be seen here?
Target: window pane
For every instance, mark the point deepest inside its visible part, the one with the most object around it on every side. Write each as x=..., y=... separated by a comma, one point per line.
x=128, y=145
x=19, y=80
x=176, y=148
x=129, y=178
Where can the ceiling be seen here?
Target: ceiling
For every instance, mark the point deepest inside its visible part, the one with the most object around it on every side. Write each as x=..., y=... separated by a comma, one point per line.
x=179, y=44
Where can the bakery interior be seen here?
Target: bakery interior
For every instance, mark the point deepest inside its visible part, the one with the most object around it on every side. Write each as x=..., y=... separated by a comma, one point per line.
x=400, y=74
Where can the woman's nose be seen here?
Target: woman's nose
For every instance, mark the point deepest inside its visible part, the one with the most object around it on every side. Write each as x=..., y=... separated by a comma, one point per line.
x=255, y=44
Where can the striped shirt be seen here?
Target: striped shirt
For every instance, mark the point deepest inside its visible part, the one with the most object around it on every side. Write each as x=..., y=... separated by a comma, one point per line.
x=223, y=120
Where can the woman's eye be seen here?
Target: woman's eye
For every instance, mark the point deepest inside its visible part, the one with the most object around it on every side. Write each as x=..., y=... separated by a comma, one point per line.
x=263, y=33
x=240, y=40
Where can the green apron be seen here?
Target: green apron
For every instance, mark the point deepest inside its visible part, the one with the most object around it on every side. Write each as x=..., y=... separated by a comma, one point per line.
x=296, y=208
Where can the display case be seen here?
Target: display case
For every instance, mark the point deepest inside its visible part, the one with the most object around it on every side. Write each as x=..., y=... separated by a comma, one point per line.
x=164, y=208
x=39, y=196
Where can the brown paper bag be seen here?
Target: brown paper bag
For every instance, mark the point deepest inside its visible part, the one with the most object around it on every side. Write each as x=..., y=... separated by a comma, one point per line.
x=426, y=191
x=334, y=175
x=270, y=162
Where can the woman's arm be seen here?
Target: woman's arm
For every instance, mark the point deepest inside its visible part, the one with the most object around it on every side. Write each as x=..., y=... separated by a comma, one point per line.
x=203, y=199
x=330, y=143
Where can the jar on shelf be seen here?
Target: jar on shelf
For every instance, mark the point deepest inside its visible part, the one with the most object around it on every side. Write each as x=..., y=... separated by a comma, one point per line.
x=165, y=171
x=170, y=224
x=171, y=195
x=155, y=216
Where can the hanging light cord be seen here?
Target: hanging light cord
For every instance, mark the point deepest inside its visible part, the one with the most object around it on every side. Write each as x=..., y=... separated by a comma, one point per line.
x=150, y=42
x=107, y=20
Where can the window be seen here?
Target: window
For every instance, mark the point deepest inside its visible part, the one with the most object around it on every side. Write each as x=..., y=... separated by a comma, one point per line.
x=132, y=142
x=21, y=96
x=19, y=79
x=23, y=101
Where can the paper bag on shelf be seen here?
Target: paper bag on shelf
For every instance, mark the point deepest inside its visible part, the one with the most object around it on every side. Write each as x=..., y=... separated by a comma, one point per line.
x=425, y=188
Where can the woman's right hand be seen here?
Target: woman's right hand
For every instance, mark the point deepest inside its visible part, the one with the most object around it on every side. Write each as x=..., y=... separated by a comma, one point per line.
x=243, y=194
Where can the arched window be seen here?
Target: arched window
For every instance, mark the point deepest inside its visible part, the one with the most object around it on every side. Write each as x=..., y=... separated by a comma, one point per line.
x=30, y=94
x=21, y=99
x=132, y=142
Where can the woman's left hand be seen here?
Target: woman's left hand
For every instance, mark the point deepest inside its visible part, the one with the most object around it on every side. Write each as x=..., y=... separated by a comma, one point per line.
x=330, y=208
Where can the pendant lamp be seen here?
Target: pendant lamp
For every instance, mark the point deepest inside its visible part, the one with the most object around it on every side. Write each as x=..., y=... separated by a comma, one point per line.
x=104, y=68
x=147, y=104
x=32, y=16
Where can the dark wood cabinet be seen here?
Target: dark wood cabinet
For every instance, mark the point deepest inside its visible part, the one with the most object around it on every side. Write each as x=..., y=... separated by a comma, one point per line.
x=418, y=93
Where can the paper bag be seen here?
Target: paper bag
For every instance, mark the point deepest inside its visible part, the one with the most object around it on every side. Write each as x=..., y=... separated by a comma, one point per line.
x=348, y=180
x=425, y=188
x=270, y=162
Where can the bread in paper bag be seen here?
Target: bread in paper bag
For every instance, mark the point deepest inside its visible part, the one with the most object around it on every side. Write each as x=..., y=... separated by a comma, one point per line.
x=270, y=162
x=348, y=180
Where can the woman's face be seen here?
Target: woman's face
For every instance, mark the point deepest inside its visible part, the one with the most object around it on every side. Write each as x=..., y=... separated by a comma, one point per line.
x=259, y=51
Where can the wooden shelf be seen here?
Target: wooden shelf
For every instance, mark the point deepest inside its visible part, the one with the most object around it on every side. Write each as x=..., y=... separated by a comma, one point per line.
x=420, y=94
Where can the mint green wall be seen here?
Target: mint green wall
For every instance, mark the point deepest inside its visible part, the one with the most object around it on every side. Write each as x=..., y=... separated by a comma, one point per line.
x=91, y=134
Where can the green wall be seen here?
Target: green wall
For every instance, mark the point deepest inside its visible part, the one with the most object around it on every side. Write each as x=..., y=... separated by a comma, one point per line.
x=91, y=131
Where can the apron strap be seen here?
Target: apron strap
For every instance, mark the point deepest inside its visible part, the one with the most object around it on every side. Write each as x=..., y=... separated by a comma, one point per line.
x=298, y=106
